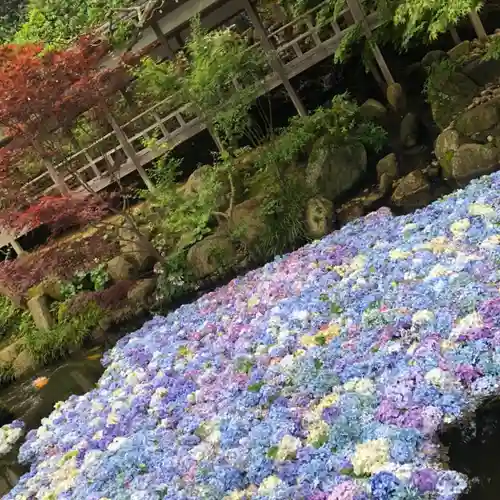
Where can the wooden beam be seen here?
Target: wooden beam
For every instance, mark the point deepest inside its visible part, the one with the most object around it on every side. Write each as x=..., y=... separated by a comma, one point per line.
x=17, y=247
x=275, y=61
x=359, y=17
x=478, y=26
x=454, y=35
x=127, y=147
x=163, y=40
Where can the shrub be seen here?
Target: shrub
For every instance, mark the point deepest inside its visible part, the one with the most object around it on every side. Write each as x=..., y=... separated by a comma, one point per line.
x=66, y=336
x=59, y=259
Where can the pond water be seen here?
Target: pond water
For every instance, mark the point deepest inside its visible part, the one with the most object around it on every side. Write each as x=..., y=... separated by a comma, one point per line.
x=473, y=446
x=75, y=375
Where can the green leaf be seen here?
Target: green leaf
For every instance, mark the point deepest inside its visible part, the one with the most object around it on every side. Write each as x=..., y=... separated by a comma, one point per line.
x=255, y=387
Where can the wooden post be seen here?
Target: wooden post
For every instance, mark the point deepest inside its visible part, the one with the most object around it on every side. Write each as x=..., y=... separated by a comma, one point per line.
x=127, y=147
x=478, y=25
x=17, y=247
x=274, y=58
x=359, y=17
x=74, y=142
x=454, y=36
x=162, y=39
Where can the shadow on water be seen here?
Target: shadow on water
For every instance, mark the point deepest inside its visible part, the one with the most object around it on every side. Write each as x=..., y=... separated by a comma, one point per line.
x=473, y=448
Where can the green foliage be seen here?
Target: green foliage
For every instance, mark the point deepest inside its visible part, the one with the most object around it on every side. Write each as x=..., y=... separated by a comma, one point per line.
x=283, y=208
x=176, y=212
x=11, y=15
x=94, y=280
x=57, y=22
x=285, y=192
x=66, y=336
x=427, y=19
x=341, y=122
x=216, y=74
x=14, y=322
x=174, y=278
x=352, y=36
x=492, y=51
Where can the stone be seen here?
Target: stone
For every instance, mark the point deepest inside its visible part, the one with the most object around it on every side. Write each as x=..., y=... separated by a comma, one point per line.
x=350, y=211
x=482, y=71
x=470, y=161
x=408, y=131
x=50, y=286
x=248, y=221
x=372, y=200
x=412, y=191
x=334, y=170
x=373, y=110
x=446, y=144
x=23, y=364
x=142, y=292
x=389, y=166
x=385, y=183
x=135, y=250
x=460, y=51
x=40, y=312
x=319, y=217
x=432, y=57
x=198, y=179
x=212, y=254
x=396, y=97
x=455, y=92
x=9, y=354
x=477, y=122
x=120, y=268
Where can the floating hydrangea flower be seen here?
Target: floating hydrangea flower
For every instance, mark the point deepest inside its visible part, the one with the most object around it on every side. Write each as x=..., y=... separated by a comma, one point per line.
x=10, y=435
x=326, y=374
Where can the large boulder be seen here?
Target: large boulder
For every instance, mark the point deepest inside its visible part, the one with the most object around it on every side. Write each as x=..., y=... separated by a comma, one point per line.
x=350, y=211
x=470, y=161
x=333, y=170
x=450, y=93
x=247, y=221
x=319, y=217
x=478, y=122
x=24, y=363
x=142, y=292
x=412, y=191
x=204, y=174
x=40, y=312
x=388, y=165
x=121, y=268
x=396, y=97
x=408, y=132
x=211, y=255
x=135, y=250
x=460, y=50
x=482, y=71
x=432, y=57
x=9, y=354
x=373, y=110
x=446, y=144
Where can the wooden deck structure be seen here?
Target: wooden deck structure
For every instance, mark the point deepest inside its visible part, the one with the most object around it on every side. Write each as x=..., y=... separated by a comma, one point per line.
x=311, y=44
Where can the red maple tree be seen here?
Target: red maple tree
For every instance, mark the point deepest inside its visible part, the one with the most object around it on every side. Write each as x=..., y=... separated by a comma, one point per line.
x=41, y=92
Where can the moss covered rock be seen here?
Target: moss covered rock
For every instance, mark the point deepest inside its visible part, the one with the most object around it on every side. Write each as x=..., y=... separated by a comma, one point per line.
x=214, y=253
x=319, y=217
x=333, y=170
x=470, y=161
